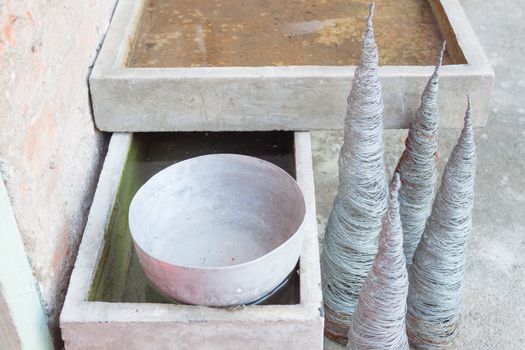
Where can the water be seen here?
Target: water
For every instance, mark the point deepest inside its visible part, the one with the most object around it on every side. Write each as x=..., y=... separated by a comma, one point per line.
x=225, y=33
x=119, y=276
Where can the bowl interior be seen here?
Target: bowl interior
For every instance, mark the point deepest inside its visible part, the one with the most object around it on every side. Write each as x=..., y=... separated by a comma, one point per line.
x=215, y=211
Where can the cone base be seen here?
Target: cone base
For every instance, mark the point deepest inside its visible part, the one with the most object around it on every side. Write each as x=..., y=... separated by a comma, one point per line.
x=333, y=329
x=437, y=343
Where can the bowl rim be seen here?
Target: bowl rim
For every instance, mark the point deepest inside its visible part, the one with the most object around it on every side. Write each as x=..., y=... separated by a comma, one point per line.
x=297, y=232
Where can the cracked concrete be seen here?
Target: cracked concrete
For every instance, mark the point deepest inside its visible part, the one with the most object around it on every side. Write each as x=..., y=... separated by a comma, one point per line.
x=494, y=306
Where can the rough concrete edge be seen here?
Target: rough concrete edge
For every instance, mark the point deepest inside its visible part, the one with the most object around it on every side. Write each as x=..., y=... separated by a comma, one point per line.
x=119, y=37
x=202, y=335
x=283, y=72
x=471, y=47
x=128, y=116
x=110, y=69
x=17, y=284
x=89, y=250
x=310, y=267
x=466, y=37
x=78, y=310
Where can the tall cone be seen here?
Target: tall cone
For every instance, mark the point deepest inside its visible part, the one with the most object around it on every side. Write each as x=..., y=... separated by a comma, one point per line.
x=378, y=322
x=438, y=268
x=417, y=166
x=350, y=242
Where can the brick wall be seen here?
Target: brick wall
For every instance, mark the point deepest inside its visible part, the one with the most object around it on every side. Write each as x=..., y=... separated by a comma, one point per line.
x=50, y=151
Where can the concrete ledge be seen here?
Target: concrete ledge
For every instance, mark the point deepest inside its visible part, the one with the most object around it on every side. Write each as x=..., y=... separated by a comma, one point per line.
x=108, y=325
x=23, y=321
x=275, y=98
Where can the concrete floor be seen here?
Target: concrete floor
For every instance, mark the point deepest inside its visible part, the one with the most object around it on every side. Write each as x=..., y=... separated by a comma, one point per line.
x=494, y=306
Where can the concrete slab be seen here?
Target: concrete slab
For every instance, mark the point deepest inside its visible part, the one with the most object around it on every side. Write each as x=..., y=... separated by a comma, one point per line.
x=274, y=97
x=110, y=325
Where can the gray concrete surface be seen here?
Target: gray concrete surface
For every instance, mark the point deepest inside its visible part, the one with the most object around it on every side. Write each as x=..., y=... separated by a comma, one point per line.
x=131, y=325
x=494, y=306
x=272, y=98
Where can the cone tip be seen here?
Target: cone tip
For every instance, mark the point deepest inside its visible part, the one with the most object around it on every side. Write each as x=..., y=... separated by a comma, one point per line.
x=440, y=60
x=468, y=113
x=442, y=53
x=468, y=130
x=370, y=15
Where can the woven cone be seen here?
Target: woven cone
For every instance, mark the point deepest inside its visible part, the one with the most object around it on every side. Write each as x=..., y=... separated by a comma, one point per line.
x=438, y=268
x=417, y=166
x=379, y=319
x=350, y=241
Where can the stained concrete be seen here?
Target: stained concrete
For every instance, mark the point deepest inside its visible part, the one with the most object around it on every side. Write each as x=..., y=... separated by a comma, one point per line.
x=131, y=325
x=204, y=33
x=275, y=97
x=494, y=307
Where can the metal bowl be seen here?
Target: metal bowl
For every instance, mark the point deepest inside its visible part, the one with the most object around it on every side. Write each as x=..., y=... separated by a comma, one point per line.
x=218, y=230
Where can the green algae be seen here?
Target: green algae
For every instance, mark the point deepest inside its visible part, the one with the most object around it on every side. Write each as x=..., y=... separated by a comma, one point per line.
x=119, y=276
